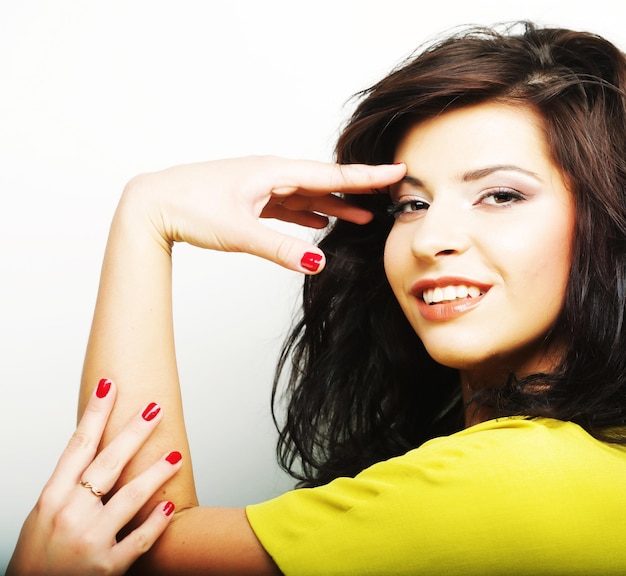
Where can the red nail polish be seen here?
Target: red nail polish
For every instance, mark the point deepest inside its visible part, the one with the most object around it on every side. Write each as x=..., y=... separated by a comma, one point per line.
x=103, y=388
x=311, y=261
x=174, y=457
x=168, y=508
x=151, y=411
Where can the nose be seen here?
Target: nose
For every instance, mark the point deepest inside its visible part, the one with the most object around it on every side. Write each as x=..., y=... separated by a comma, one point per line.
x=441, y=231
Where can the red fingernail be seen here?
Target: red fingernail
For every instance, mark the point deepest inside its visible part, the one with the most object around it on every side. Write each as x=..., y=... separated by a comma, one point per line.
x=103, y=388
x=151, y=411
x=311, y=261
x=174, y=457
x=168, y=508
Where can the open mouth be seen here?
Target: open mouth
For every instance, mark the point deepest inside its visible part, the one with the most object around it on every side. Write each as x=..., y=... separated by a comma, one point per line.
x=447, y=294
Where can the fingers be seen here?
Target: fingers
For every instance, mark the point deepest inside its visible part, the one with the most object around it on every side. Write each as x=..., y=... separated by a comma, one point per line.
x=127, y=501
x=302, y=218
x=70, y=530
x=83, y=444
x=125, y=504
x=308, y=211
x=287, y=251
x=321, y=176
x=131, y=497
x=105, y=469
x=305, y=188
x=140, y=540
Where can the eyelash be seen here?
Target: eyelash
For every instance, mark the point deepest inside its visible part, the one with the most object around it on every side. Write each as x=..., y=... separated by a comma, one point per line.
x=396, y=209
x=512, y=195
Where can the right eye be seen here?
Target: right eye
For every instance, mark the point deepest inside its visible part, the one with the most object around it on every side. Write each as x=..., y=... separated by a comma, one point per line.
x=407, y=206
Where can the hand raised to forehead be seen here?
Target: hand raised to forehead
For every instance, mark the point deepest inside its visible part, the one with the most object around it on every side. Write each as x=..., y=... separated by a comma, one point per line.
x=217, y=204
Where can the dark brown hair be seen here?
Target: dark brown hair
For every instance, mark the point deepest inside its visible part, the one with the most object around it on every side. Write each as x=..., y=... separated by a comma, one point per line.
x=361, y=386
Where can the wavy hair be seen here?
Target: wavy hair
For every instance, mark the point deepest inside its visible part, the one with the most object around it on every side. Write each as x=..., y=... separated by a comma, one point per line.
x=360, y=386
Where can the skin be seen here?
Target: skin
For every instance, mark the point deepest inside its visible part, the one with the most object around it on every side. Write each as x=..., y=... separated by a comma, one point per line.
x=69, y=530
x=213, y=205
x=482, y=205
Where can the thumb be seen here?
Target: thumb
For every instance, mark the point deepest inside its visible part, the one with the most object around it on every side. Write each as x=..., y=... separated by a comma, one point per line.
x=287, y=251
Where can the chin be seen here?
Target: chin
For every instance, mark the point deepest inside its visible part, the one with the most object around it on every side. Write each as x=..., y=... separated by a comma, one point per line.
x=472, y=362
x=452, y=359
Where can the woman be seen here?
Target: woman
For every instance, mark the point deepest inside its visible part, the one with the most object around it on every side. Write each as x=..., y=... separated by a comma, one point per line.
x=457, y=391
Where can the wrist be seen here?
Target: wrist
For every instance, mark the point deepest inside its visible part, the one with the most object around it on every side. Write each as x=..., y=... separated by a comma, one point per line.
x=139, y=212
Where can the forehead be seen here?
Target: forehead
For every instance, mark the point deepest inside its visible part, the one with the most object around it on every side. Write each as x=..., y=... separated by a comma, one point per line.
x=475, y=136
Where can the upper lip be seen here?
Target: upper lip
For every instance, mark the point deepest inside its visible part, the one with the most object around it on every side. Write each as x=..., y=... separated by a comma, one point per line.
x=428, y=283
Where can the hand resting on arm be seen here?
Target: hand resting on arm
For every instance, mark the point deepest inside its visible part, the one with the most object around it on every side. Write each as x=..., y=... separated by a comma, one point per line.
x=70, y=530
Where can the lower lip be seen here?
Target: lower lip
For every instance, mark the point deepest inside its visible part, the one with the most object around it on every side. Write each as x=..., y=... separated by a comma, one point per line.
x=447, y=310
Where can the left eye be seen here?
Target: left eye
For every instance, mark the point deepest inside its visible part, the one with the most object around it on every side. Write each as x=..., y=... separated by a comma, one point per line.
x=501, y=196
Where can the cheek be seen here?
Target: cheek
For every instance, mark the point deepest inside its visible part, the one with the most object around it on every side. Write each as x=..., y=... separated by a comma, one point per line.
x=393, y=260
x=542, y=264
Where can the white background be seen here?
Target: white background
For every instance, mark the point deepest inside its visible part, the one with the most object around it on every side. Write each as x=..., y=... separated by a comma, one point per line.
x=92, y=93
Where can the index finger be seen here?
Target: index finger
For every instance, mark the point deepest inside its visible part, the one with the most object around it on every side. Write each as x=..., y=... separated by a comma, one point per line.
x=326, y=177
x=83, y=444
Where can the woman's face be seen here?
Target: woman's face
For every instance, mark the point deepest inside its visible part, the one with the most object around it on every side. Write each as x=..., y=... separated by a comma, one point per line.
x=480, y=251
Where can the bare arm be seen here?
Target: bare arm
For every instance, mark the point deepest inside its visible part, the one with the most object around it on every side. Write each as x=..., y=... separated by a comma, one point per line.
x=132, y=341
x=214, y=205
x=201, y=541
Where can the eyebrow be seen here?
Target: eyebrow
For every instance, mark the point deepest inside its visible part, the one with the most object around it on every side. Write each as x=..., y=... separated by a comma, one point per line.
x=483, y=172
x=478, y=174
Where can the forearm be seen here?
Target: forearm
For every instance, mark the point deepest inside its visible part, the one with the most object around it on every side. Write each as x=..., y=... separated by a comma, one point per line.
x=132, y=342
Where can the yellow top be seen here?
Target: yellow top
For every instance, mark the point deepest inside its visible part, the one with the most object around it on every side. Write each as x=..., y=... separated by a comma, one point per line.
x=510, y=496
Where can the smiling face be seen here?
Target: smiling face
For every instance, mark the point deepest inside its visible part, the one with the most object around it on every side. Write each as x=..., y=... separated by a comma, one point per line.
x=480, y=251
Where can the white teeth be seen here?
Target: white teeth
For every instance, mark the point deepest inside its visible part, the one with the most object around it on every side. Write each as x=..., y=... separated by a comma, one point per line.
x=449, y=293
x=473, y=292
x=461, y=292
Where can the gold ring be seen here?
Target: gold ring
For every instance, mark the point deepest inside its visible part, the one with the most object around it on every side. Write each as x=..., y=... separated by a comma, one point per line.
x=91, y=487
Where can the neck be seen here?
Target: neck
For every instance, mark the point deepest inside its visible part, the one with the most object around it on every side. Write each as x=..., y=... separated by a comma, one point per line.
x=476, y=379
x=471, y=383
